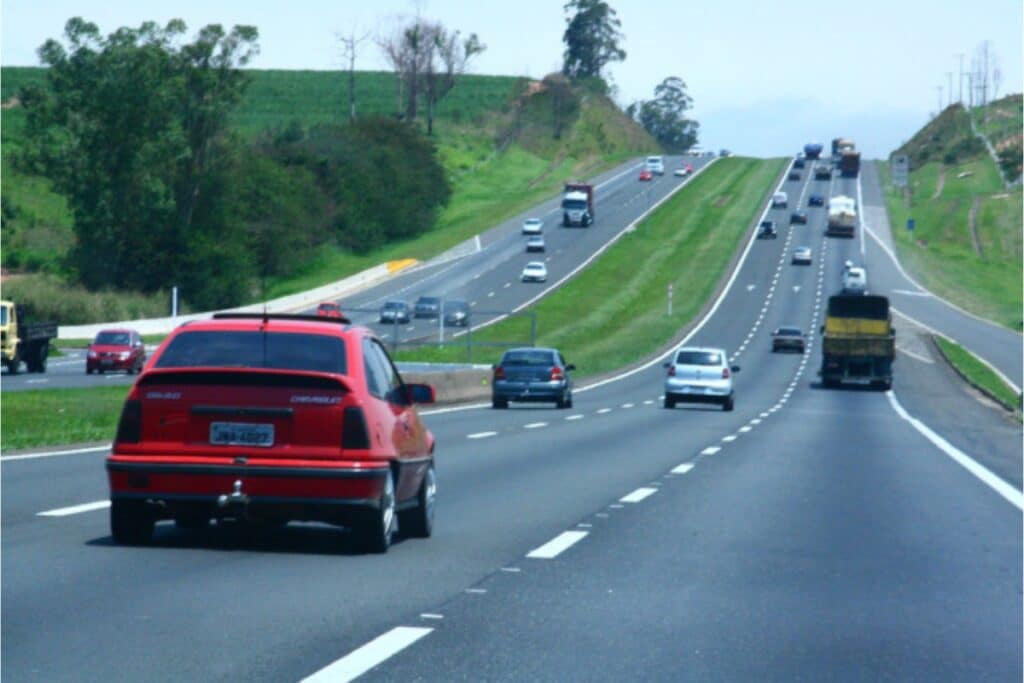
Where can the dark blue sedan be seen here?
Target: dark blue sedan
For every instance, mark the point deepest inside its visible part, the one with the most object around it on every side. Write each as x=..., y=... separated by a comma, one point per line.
x=532, y=375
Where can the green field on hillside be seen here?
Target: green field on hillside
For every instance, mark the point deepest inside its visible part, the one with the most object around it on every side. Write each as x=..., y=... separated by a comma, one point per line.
x=614, y=312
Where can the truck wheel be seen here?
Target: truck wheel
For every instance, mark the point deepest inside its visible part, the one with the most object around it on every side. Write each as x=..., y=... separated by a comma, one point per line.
x=419, y=521
x=130, y=522
x=378, y=526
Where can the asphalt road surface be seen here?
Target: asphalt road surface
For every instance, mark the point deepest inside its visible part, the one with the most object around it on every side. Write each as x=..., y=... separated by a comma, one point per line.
x=809, y=534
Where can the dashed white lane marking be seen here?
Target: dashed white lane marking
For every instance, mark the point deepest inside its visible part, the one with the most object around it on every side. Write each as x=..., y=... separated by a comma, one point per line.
x=727, y=439
x=476, y=591
x=638, y=495
x=616, y=506
x=36, y=381
x=682, y=469
x=481, y=435
x=558, y=544
x=584, y=525
x=507, y=285
x=431, y=615
x=76, y=509
x=745, y=428
x=490, y=293
x=764, y=414
x=577, y=416
x=602, y=411
x=755, y=421
x=992, y=480
x=535, y=425
x=648, y=402
x=378, y=650
x=710, y=450
x=511, y=570
x=627, y=405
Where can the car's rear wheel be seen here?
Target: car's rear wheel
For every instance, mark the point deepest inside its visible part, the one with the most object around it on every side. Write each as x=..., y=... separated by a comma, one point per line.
x=130, y=522
x=499, y=403
x=419, y=521
x=377, y=529
x=727, y=405
x=670, y=401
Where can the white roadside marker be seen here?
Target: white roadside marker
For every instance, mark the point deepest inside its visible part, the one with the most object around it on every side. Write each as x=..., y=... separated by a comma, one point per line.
x=378, y=650
x=710, y=450
x=558, y=544
x=682, y=469
x=638, y=495
x=75, y=509
x=481, y=435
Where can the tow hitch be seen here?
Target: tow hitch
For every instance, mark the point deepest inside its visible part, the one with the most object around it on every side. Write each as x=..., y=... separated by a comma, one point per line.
x=235, y=498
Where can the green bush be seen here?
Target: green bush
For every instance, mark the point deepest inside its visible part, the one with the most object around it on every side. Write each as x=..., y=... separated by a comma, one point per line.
x=48, y=297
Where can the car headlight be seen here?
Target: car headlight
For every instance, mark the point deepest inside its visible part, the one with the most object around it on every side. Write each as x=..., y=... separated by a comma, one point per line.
x=124, y=355
x=93, y=354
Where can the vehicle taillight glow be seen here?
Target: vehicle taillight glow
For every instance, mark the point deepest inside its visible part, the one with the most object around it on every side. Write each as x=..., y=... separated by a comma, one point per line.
x=672, y=370
x=557, y=374
x=725, y=373
x=499, y=372
x=129, y=428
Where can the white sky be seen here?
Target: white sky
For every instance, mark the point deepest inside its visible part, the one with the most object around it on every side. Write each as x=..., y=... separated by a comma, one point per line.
x=765, y=76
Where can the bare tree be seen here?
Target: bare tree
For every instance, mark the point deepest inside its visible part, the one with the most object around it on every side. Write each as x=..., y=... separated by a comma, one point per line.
x=997, y=77
x=349, y=47
x=446, y=59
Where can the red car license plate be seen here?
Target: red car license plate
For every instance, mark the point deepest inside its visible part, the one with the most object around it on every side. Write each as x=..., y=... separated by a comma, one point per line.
x=241, y=434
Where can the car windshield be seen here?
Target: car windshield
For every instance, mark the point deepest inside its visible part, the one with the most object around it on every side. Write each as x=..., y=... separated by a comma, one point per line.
x=534, y=265
x=699, y=358
x=113, y=338
x=455, y=306
x=278, y=350
x=528, y=358
x=428, y=301
x=788, y=332
x=3, y=315
x=532, y=221
x=574, y=204
x=394, y=306
x=654, y=160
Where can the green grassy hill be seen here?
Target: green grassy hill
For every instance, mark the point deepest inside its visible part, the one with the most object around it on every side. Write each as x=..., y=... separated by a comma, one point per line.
x=493, y=135
x=967, y=241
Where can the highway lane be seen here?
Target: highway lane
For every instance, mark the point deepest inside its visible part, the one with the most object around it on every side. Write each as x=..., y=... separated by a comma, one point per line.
x=489, y=278
x=284, y=603
x=1001, y=347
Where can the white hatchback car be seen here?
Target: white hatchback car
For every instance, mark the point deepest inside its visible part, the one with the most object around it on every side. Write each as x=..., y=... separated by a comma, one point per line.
x=535, y=271
x=533, y=226
x=855, y=281
x=699, y=375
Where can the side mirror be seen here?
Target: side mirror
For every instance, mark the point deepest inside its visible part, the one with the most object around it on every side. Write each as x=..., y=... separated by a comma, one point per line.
x=420, y=393
x=735, y=368
x=823, y=329
x=665, y=364
x=570, y=366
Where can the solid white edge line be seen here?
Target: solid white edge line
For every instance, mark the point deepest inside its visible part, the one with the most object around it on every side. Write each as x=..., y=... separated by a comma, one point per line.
x=75, y=509
x=557, y=545
x=990, y=479
x=50, y=454
x=378, y=650
x=638, y=495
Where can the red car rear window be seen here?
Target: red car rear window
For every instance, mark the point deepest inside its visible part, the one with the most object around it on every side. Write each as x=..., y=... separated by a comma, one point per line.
x=278, y=350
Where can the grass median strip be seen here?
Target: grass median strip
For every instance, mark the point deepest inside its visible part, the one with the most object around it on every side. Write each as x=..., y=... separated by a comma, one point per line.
x=978, y=373
x=47, y=417
x=615, y=311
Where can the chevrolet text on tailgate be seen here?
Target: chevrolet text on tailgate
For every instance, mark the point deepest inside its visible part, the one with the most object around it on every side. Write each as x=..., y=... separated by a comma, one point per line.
x=273, y=418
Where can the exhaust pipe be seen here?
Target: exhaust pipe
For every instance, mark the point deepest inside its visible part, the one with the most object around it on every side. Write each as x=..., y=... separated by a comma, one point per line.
x=236, y=497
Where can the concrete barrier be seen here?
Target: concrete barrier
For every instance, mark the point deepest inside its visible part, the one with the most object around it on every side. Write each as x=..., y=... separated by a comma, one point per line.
x=455, y=386
x=285, y=304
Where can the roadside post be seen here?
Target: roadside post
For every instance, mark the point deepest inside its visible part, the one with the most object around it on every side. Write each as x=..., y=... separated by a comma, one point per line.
x=910, y=225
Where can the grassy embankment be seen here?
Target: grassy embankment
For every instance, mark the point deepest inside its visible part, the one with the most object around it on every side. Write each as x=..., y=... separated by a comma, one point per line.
x=493, y=141
x=978, y=373
x=967, y=241
x=610, y=315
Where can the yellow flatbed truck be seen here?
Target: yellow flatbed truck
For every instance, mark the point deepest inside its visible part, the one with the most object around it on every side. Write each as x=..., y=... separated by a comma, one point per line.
x=21, y=341
x=859, y=344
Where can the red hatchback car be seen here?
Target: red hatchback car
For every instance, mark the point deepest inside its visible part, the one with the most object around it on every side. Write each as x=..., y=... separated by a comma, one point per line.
x=115, y=350
x=273, y=418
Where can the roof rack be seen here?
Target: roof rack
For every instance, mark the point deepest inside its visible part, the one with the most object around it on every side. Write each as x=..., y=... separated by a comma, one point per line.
x=282, y=316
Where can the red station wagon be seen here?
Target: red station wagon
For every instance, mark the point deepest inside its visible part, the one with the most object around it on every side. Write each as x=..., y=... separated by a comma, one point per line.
x=115, y=350
x=273, y=418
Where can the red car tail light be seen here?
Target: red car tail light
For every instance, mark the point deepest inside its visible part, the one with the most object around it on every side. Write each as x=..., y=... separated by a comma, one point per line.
x=557, y=374
x=672, y=370
x=354, y=434
x=725, y=373
x=129, y=428
x=499, y=372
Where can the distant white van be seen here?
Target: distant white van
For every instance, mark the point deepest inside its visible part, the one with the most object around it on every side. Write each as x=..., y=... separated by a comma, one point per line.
x=855, y=281
x=780, y=200
x=656, y=165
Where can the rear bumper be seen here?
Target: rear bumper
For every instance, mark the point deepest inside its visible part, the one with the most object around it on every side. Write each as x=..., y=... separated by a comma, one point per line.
x=540, y=391
x=117, y=364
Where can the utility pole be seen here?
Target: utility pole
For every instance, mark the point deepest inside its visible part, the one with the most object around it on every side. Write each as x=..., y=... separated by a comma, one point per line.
x=938, y=90
x=949, y=93
x=960, y=55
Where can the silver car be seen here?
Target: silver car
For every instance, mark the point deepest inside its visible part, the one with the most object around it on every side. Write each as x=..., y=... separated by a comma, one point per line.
x=801, y=256
x=699, y=375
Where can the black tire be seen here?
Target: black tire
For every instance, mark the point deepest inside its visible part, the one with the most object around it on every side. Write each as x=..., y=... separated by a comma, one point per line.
x=670, y=401
x=39, y=365
x=418, y=522
x=728, y=405
x=100, y=370
x=88, y=370
x=499, y=403
x=130, y=523
x=192, y=521
x=14, y=363
x=377, y=528
x=568, y=402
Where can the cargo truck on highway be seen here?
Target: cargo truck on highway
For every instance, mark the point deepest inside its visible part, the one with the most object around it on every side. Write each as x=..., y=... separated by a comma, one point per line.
x=578, y=204
x=859, y=343
x=839, y=145
x=21, y=341
x=849, y=163
x=842, y=217
x=812, y=150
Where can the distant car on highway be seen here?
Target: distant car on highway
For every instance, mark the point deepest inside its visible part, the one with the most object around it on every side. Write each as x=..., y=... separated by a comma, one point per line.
x=535, y=271
x=699, y=375
x=532, y=374
x=798, y=162
x=788, y=339
x=767, y=230
x=645, y=174
x=801, y=256
x=655, y=165
x=816, y=200
x=427, y=307
x=114, y=351
x=780, y=200
x=329, y=309
x=855, y=281
x=533, y=226
x=395, y=311
x=535, y=243
x=798, y=216
x=794, y=175
x=456, y=313
x=684, y=170
x=269, y=419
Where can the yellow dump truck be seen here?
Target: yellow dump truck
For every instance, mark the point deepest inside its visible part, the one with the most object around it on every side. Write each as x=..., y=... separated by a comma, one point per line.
x=21, y=341
x=859, y=342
